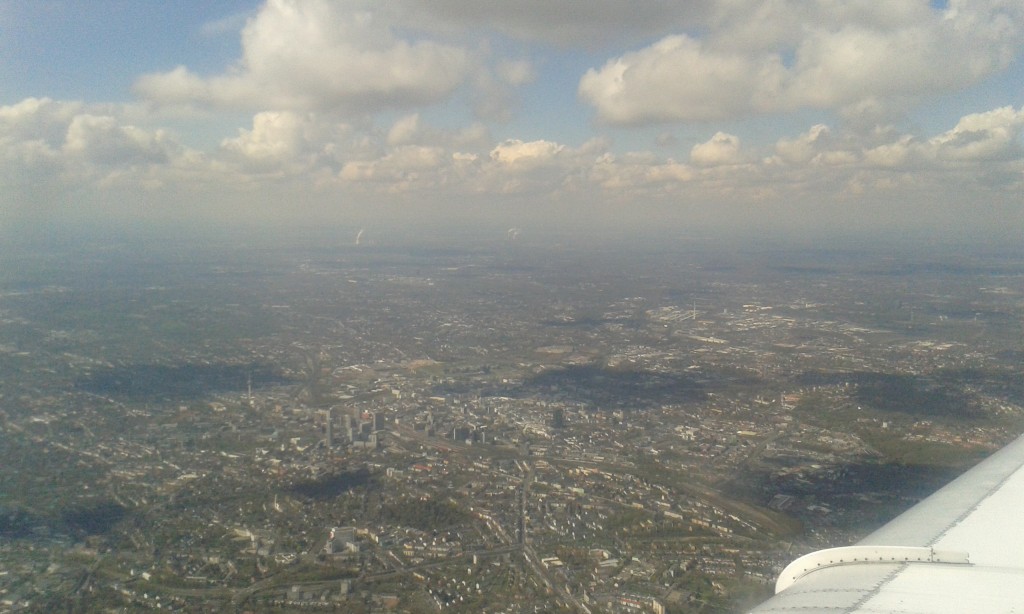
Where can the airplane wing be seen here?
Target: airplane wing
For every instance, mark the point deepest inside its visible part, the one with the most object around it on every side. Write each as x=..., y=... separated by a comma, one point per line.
x=960, y=550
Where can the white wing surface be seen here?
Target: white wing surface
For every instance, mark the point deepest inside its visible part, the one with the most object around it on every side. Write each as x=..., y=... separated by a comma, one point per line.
x=961, y=550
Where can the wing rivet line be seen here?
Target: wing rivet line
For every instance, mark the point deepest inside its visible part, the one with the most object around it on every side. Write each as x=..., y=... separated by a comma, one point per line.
x=864, y=555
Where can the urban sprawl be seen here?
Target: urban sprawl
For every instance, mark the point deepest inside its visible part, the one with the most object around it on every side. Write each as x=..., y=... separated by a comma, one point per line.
x=508, y=428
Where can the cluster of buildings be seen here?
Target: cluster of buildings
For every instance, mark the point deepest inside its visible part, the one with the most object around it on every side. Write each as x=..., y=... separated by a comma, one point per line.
x=466, y=435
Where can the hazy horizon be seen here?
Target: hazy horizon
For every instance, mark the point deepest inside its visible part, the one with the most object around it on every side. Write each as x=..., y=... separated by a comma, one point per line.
x=715, y=118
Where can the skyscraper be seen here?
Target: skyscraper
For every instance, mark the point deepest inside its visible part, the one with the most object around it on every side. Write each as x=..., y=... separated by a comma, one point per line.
x=329, y=428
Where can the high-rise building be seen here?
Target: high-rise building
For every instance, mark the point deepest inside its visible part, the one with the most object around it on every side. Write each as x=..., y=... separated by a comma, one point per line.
x=329, y=428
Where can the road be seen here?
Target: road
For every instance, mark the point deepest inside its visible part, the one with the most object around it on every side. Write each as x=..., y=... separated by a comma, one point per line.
x=532, y=560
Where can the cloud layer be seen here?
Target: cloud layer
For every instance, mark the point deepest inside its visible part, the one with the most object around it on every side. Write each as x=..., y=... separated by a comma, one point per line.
x=787, y=56
x=69, y=145
x=317, y=54
x=444, y=105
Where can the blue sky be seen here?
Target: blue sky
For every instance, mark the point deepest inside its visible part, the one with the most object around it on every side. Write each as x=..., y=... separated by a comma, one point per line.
x=784, y=116
x=95, y=50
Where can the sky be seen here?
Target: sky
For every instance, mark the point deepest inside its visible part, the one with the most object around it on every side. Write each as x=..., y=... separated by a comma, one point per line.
x=788, y=118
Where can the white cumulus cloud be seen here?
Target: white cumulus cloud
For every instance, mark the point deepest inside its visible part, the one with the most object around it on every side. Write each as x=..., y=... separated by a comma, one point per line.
x=103, y=140
x=680, y=78
x=516, y=153
x=992, y=135
x=722, y=148
x=805, y=147
x=317, y=54
x=403, y=166
x=277, y=137
x=786, y=56
x=285, y=158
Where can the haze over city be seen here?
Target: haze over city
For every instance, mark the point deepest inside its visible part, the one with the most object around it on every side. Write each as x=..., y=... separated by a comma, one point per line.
x=785, y=118
x=502, y=306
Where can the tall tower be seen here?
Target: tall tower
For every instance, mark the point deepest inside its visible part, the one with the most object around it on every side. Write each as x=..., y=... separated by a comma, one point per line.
x=329, y=428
